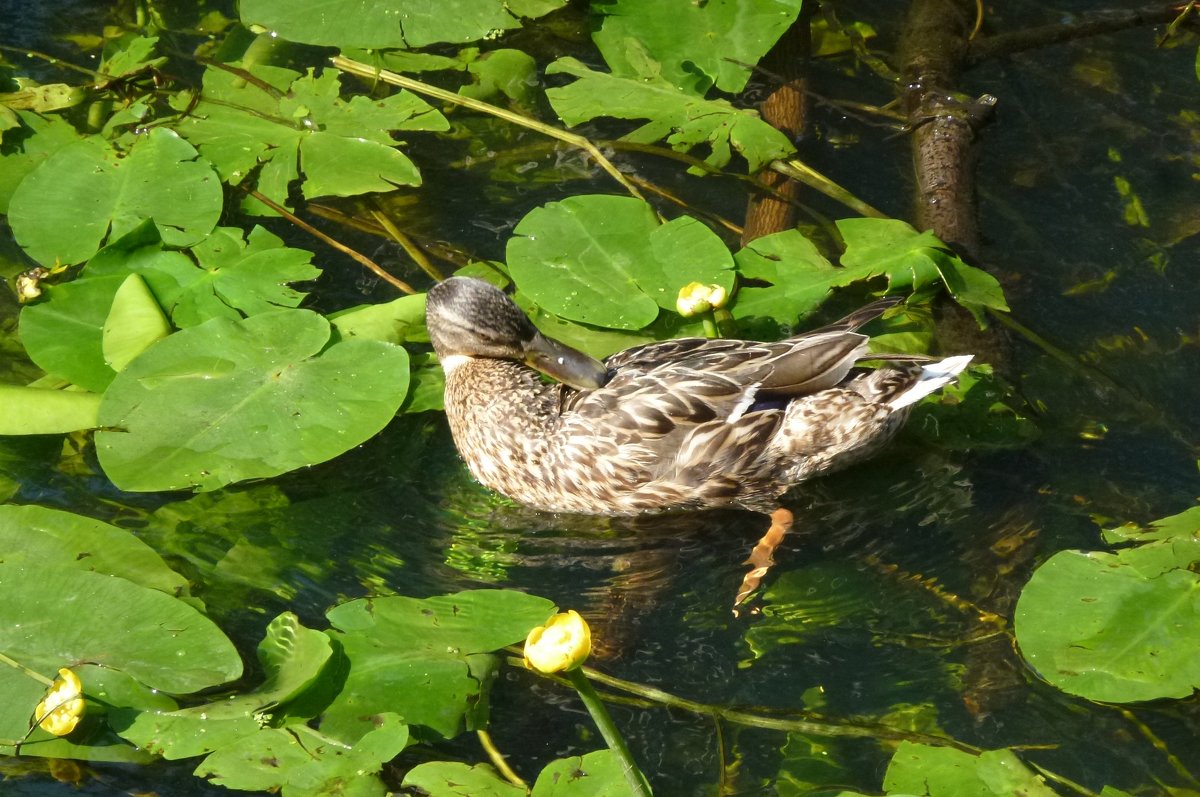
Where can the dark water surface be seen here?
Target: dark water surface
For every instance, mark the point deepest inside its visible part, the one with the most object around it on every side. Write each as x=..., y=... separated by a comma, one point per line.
x=867, y=612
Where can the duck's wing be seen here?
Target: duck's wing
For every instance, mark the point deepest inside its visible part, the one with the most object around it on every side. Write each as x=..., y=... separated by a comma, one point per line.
x=656, y=388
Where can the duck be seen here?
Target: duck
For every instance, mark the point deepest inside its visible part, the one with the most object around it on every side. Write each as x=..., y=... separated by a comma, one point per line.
x=683, y=424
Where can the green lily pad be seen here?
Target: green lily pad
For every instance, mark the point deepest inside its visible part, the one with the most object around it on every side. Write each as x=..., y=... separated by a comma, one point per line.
x=33, y=535
x=362, y=23
x=64, y=333
x=230, y=277
x=927, y=771
x=299, y=762
x=912, y=259
x=698, y=45
x=134, y=323
x=1100, y=626
x=87, y=192
x=41, y=137
x=232, y=400
x=291, y=124
x=421, y=658
x=237, y=277
x=607, y=261
x=160, y=641
x=455, y=779
x=578, y=259
x=596, y=774
x=799, y=276
x=398, y=321
x=683, y=120
x=292, y=655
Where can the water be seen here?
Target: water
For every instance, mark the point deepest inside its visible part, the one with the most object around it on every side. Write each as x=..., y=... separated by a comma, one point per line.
x=868, y=612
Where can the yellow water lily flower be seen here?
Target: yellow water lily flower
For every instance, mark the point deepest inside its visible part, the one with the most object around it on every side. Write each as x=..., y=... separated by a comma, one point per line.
x=61, y=708
x=696, y=297
x=563, y=643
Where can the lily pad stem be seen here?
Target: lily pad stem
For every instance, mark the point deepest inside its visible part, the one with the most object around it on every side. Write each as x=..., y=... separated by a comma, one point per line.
x=638, y=785
x=16, y=665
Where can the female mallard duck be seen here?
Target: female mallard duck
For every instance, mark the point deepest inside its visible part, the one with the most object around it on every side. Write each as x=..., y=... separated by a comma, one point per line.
x=679, y=424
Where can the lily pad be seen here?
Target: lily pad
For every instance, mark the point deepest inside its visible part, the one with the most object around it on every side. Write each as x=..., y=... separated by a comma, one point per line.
x=683, y=120
x=87, y=192
x=455, y=779
x=232, y=400
x=607, y=261
x=927, y=771
x=798, y=274
x=64, y=333
x=298, y=762
x=134, y=323
x=35, y=535
x=41, y=137
x=1098, y=625
x=421, y=658
x=596, y=774
x=912, y=259
x=289, y=124
x=362, y=23
x=698, y=45
x=160, y=641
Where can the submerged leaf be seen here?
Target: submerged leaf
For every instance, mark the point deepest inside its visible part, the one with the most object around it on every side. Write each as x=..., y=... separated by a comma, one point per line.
x=35, y=535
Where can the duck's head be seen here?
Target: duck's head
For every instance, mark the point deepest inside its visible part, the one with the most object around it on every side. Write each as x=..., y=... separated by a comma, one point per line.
x=469, y=318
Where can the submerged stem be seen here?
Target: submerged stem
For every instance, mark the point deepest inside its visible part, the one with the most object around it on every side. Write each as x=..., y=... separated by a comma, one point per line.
x=498, y=760
x=608, y=729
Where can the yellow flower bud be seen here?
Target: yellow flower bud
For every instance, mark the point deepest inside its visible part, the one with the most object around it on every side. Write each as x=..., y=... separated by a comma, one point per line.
x=696, y=297
x=61, y=708
x=562, y=644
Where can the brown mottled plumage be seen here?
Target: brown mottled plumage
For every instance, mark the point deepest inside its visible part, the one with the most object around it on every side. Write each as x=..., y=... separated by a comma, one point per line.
x=679, y=424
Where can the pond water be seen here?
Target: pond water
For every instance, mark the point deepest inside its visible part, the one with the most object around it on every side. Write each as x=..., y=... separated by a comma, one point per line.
x=870, y=611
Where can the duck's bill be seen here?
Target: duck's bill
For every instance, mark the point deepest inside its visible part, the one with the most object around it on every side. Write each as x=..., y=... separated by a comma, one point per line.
x=564, y=364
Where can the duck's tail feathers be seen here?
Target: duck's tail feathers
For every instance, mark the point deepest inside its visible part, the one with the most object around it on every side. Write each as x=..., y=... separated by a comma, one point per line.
x=933, y=377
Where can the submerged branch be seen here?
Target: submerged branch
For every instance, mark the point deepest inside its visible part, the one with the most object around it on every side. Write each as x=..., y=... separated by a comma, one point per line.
x=1091, y=23
x=815, y=727
x=374, y=267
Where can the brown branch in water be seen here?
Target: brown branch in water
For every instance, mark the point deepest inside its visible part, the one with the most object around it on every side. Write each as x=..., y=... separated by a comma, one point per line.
x=931, y=56
x=453, y=256
x=1090, y=23
x=371, y=265
x=380, y=214
x=786, y=109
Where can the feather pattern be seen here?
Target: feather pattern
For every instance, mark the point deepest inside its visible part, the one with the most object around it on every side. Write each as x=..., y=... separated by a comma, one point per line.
x=678, y=424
